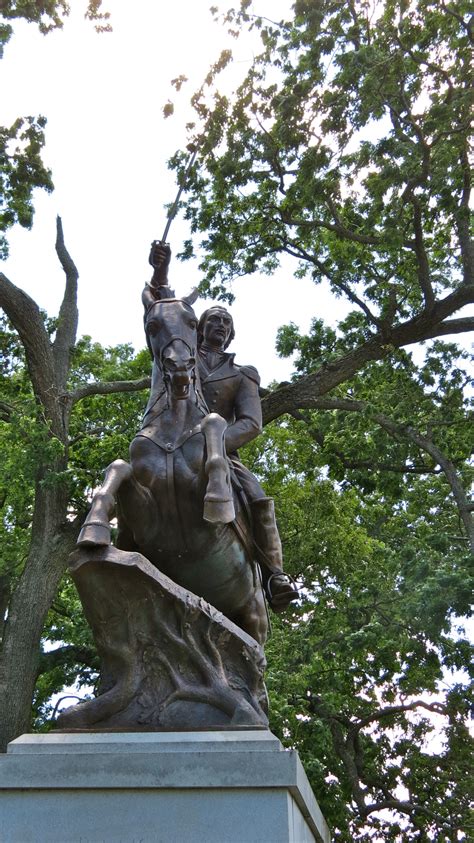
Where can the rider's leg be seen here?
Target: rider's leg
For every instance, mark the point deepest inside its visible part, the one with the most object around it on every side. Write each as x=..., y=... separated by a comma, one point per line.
x=279, y=587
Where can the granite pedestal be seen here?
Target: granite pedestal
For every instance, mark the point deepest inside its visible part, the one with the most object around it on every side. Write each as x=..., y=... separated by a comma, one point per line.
x=156, y=787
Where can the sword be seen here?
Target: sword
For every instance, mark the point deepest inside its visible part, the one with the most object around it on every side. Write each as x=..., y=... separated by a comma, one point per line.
x=171, y=215
x=174, y=208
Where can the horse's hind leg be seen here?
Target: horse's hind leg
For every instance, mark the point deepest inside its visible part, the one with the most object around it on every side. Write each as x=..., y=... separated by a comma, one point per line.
x=254, y=619
x=96, y=528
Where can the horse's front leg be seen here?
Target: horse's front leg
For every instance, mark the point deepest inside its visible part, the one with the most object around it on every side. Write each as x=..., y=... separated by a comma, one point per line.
x=96, y=528
x=218, y=499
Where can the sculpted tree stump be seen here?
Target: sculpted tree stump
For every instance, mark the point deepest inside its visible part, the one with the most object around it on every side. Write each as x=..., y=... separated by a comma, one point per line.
x=169, y=659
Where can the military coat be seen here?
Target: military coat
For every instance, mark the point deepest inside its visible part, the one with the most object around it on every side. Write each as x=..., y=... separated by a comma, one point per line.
x=232, y=391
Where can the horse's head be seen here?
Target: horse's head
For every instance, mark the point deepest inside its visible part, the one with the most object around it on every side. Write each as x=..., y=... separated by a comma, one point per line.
x=171, y=329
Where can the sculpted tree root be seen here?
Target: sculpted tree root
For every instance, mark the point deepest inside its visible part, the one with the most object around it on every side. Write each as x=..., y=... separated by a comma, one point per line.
x=169, y=659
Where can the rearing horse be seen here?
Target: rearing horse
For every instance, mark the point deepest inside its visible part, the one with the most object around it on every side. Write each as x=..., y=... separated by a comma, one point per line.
x=175, y=502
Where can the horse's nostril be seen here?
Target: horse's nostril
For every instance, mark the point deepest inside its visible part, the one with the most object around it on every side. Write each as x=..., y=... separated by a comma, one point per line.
x=179, y=365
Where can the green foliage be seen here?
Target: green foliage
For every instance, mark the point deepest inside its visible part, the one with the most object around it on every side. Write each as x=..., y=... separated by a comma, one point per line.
x=345, y=146
x=93, y=444
x=22, y=445
x=68, y=658
x=21, y=171
x=383, y=582
x=50, y=14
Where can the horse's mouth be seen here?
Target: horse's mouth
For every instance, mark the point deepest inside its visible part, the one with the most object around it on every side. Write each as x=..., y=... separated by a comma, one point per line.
x=181, y=390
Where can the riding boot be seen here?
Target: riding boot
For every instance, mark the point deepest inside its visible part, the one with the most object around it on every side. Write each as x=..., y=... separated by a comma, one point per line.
x=280, y=589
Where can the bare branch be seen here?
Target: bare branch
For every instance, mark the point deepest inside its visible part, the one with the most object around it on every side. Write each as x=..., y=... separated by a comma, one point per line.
x=357, y=301
x=337, y=227
x=457, y=488
x=68, y=314
x=466, y=25
x=463, y=221
x=389, y=711
x=67, y=655
x=25, y=316
x=106, y=388
x=454, y=326
x=423, y=326
x=405, y=807
x=422, y=258
x=6, y=411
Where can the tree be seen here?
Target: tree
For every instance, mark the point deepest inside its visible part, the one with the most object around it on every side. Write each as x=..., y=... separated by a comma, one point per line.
x=345, y=147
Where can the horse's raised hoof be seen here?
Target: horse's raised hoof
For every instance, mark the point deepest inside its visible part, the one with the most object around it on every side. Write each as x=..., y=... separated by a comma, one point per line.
x=93, y=534
x=218, y=511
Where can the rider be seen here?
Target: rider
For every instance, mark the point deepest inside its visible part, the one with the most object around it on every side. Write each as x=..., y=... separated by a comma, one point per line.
x=232, y=391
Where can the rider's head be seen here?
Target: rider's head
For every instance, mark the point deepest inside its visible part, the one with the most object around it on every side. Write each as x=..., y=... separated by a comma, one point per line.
x=216, y=328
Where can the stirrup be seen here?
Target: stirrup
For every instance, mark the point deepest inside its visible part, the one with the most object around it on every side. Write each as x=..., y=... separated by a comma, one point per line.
x=280, y=602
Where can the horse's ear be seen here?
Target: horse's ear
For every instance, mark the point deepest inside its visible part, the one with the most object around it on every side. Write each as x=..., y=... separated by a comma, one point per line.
x=191, y=298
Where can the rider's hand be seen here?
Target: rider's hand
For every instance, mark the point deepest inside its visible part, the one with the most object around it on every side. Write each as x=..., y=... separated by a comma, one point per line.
x=160, y=256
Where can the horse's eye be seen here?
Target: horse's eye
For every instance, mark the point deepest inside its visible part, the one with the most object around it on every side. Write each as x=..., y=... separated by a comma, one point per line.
x=152, y=328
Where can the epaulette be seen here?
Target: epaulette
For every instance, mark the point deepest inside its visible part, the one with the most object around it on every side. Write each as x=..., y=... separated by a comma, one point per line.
x=251, y=373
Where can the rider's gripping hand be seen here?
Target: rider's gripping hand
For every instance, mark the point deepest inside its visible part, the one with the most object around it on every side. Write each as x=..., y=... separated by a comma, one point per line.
x=160, y=256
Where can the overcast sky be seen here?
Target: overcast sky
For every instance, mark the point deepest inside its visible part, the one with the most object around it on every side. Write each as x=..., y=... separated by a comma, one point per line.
x=107, y=145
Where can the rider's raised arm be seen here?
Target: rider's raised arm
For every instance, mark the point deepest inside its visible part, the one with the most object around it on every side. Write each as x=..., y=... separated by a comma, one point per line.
x=247, y=410
x=159, y=259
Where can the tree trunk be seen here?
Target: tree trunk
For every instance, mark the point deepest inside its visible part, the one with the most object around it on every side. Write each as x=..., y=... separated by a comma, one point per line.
x=52, y=540
x=52, y=536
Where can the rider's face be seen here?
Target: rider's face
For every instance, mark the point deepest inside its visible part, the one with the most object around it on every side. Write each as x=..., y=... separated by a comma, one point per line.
x=217, y=329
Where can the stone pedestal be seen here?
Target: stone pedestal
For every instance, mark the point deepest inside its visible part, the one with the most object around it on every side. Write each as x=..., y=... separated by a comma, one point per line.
x=235, y=786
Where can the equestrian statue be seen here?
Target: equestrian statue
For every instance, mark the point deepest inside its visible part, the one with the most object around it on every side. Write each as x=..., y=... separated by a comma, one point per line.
x=185, y=501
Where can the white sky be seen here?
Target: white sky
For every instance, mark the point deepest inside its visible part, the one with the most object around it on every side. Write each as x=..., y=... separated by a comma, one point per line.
x=107, y=145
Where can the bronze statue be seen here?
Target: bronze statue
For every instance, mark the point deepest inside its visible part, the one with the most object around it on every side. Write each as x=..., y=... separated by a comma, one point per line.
x=194, y=525
x=232, y=392
x=185, y=501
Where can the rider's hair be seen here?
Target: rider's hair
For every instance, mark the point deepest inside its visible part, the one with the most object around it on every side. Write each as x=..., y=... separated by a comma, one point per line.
x=202, y=321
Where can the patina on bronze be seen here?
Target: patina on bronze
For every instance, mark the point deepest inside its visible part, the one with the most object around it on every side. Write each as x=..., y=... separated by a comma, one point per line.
x=232, y=392
x=185, y=504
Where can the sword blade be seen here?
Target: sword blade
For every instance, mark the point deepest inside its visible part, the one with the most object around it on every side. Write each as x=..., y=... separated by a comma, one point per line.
x=174, y=208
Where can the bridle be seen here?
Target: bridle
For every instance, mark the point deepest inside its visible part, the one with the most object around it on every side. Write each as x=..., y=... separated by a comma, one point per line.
x=192, y=351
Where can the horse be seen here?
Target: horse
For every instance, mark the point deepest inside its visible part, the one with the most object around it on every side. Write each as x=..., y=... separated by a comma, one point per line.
x=175, y=500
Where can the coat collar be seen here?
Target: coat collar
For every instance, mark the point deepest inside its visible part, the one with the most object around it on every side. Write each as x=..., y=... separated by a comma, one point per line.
x=225, y=369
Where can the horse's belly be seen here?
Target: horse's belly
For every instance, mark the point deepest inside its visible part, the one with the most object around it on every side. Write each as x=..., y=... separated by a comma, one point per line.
x=216, y=568
x=207, y=559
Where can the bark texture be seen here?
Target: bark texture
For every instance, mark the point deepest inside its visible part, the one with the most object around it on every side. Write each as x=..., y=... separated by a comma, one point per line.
x=53, y=535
